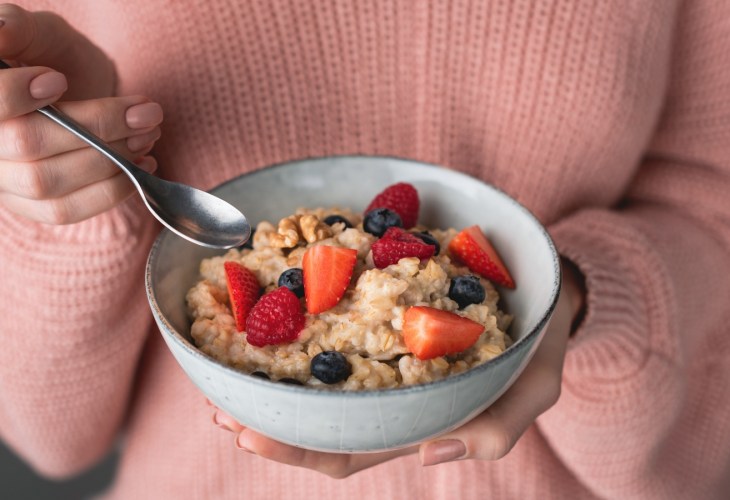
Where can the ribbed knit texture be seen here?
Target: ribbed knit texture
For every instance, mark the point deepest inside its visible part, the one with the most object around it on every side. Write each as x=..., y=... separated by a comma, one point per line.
x=609, y=120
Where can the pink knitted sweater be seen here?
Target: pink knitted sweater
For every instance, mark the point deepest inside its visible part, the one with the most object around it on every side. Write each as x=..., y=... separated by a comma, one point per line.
x=609, y=119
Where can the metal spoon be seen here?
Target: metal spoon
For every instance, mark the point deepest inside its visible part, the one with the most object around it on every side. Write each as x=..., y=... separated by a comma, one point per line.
x=191, y=213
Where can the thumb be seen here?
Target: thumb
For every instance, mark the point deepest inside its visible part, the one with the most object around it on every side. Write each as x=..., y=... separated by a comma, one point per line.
x=492, y=434
x=46, y=39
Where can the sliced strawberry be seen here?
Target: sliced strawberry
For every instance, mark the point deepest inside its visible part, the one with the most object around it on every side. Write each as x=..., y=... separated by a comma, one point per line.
x=472, y=248
x=327, y=272
x=275, y=319
x=243, y=291
x=430, y=333
x=402, y=198
x=397, y=244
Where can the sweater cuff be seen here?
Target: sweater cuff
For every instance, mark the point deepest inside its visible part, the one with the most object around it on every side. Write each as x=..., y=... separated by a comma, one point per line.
x=627, y=316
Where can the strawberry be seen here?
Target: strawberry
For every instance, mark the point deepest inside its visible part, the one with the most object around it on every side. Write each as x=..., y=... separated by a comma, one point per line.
x=396, y=244
x=402, y=198
x=472, y=248
x=276, y=318
x=243, y=291
x=430, y=333
x=327, y=272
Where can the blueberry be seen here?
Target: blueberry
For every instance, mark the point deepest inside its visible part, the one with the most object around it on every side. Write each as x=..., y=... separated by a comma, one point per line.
x=465, y=290
x=334, y=219
x=249, y=241
x=428, y=239
x=260, y=375
x=330, y=367
x=378, y=220
x=293, y=279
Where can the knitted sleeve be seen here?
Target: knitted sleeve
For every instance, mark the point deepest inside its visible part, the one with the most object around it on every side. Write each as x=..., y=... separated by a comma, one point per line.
x=74, y=318
x=647, y=375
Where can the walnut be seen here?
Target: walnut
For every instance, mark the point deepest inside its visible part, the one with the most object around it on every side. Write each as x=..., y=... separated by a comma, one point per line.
x=287, y=235
x=297, y=228
x=313, y=229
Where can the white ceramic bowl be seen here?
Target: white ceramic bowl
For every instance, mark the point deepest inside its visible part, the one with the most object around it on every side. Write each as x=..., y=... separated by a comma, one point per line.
x=375, y=420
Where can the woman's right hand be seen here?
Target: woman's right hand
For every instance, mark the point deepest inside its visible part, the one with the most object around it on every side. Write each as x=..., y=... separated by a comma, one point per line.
x=46, y=173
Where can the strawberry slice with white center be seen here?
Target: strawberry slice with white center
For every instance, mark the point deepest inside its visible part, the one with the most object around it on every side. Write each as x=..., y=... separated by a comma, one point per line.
x=472, y=248
x=327, y=273
x=243, y=291
x=430, y=333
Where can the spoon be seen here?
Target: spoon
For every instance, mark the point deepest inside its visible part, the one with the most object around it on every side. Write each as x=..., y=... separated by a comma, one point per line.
x=191, y=213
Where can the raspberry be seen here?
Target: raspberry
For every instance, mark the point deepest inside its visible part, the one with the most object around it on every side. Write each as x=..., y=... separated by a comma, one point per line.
x=397, y=244
x=401, y=198
x=276, y=318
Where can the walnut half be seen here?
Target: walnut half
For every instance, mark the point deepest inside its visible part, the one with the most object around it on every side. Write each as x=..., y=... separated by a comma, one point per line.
x=299, y=228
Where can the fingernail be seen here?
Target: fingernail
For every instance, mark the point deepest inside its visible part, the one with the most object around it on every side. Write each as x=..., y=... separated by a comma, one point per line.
x=216, y=422
x=48, y=85
x=144, y=115
x=240, y=445
x=139, y=142
x=442, y=451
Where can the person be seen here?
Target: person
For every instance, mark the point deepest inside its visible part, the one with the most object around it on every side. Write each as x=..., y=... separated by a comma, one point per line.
x=608, y=120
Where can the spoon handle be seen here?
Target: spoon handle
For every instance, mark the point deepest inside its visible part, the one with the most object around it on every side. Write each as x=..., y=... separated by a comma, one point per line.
x=94, y=141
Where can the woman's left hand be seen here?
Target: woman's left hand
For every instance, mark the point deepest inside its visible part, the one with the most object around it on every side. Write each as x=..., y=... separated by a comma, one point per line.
x=490, y=436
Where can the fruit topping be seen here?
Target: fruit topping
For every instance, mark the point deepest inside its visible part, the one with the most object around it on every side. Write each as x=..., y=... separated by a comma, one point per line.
x=397, y=244
x=472, y=248
x=331, y=220
x=327, y=273
x=293, y=279
x=466, y=290
x=379, y=220
x=429, y=240
x=330, y=367
x=430, y=333
x=276, y=318
x=402, y=198
x=243, y=291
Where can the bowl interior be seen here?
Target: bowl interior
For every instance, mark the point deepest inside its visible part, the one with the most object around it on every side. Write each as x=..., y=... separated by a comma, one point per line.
x=448, y=199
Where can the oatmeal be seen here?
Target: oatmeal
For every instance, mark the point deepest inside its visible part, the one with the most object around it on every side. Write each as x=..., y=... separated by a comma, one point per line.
x=332, y=298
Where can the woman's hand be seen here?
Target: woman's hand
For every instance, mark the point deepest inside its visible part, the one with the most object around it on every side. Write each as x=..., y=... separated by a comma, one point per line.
x=47, y=174
x=490, y=436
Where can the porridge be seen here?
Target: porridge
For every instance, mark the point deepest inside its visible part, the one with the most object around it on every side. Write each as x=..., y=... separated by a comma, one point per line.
x=332, y=298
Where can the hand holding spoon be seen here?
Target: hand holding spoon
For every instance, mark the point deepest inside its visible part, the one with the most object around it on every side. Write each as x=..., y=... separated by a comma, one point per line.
x=191, y=213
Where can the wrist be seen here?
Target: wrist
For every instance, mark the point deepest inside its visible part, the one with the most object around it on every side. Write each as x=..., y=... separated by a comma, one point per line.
x=574, y=287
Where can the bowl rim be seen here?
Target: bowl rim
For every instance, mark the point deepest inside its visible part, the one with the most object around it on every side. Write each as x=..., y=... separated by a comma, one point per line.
x=170, y=332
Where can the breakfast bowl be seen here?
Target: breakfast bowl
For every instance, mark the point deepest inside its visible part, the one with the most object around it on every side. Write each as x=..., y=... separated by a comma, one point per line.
x=335, y=419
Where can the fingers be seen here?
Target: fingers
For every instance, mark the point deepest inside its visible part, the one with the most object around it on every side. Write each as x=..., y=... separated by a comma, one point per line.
x=33, y=137
x=79, y=205
x=45, y=39
x=23, y=90
x=31, y=36
x=62, y=174
x=226, y=422
x=335, y=465
x=491, y=435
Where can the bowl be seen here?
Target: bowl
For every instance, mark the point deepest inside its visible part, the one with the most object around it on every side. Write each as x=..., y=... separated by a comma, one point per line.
x=371, y=420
